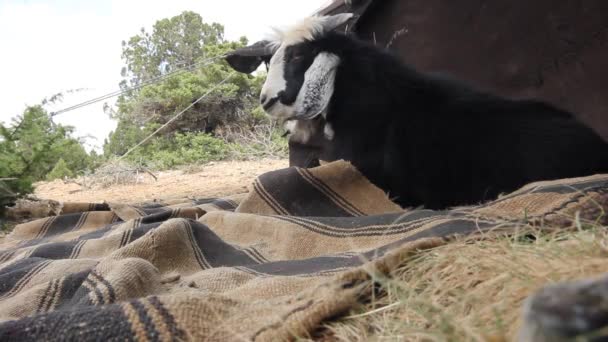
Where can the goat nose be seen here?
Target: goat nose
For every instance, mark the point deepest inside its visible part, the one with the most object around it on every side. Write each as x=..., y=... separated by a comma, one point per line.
x=263, y=99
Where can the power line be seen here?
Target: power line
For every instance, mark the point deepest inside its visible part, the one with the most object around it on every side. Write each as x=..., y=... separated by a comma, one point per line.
x=178, y=115
x=157, y=79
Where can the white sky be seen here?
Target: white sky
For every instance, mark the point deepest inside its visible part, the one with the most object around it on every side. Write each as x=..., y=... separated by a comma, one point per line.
x=51, y=46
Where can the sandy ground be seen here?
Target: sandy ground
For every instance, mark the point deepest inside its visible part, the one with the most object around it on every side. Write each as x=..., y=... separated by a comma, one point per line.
x=211, y=180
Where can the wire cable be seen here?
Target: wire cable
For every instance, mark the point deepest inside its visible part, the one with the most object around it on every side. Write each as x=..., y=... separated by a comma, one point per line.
x=178, y=115
x=157, y=79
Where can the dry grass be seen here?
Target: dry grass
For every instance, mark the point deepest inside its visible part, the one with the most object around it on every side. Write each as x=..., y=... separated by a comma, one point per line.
x=261, y=141
x=471, y=291
x=113, y=173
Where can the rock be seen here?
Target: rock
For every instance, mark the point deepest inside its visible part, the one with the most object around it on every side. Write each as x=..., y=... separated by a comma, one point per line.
x=565, y=311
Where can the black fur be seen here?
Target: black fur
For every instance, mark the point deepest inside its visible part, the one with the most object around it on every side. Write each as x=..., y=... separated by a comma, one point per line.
x=437, y=143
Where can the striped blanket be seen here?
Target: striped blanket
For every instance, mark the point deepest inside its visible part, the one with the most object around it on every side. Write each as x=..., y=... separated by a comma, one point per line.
x=302, y=247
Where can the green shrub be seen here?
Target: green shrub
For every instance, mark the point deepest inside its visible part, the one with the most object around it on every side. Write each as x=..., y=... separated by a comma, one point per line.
x=196, y=148
x=181, y=149
x=30, y=147
x=60, y=171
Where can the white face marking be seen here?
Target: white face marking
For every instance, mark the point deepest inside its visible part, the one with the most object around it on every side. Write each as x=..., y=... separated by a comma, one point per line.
x=314, y=95
x=316, y=91
x=276, y=83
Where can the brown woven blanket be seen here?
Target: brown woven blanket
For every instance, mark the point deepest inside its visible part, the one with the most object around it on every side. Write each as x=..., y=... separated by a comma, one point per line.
x=301, y=248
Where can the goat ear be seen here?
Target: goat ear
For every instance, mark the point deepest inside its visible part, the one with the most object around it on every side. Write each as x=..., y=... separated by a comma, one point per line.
x=318, y=87
x=331, y=22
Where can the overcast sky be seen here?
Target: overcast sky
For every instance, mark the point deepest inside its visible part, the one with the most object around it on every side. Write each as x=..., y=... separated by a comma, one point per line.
x=55, y=45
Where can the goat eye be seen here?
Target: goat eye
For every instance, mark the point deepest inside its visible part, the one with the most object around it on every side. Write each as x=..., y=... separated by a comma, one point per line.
x=296, y=57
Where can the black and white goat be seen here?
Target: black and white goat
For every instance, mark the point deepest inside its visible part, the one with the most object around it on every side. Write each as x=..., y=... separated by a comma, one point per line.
x=426, y=140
